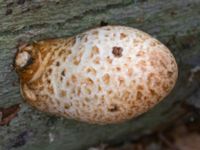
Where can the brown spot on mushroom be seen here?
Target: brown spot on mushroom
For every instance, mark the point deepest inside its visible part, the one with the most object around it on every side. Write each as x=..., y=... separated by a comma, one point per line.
x=87, y=99
x=122, y=36
x=140, y=87
x=58, y=102
x=106, y=78
x=169, y=73
x=95, y=32
x=74, y=79
x=73, y=91
x=57, y=63
x=149, y=78
x=99, y=88
x=109, y=92
x=48, y=81
x=91, y=70
x=41, y=88
x=130, y=72
x=117, y=51
x=126, y=95
x=95, y=50
x=139, y=95
x=61, y=52
x=76, y=61
x=113, y=108
x=109, y=60
x=121, y=80
x=88, y=91
x=153, y=93
x=50, y=70
x=50, y=89
x=67, y=106
x=67, y=83
x=142, y=63
x=97, y=60
x=68, y=52
x=149, y=103
x=86, y=39
x=78, y=91
x=157, y=82
x=163, y=64
x=140, y=53
x=118, y=68
x=63, y=93
x=73, y=41
x=165, y=87
x=89, y=81
x=63, y=72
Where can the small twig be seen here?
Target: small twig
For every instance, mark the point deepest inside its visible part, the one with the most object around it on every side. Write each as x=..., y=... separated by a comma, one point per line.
x=8, y=114
x=167, y=142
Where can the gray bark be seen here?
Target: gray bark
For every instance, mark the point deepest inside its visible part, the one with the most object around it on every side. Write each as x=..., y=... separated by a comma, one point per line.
x=175, y=23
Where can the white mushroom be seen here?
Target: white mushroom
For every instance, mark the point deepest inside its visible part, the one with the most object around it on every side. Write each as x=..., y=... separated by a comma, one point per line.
x=105, y=75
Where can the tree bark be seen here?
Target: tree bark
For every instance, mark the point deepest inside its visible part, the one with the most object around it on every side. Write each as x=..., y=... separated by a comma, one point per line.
x=175, y=23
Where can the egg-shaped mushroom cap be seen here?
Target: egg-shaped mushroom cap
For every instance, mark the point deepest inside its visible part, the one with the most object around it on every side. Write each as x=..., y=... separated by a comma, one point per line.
x=104, y=75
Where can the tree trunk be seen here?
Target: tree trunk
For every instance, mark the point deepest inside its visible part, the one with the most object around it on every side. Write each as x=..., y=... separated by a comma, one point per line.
x=176, y=23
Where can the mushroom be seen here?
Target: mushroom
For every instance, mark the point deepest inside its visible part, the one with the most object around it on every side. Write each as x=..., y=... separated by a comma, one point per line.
x=105, y=75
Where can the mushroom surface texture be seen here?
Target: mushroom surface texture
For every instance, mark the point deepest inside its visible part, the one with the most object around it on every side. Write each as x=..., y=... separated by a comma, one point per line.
x=105, y=75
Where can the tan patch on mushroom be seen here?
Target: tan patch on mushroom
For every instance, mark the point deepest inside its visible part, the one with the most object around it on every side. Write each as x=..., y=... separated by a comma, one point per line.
x=95, y=50
x=74, y=78
x=140, y=53
x=140, y=87
x=106, y=78
x=126, y=95
x=150, y=78
x=86, y=39
x=76, y=60
x=68, y=52
x=66, y=106
x=153, y=93
x=62, y=52
x=99, y=88
x=165, y=87
x=113, y=108
x=109, y=60
x=78, y=91
x=89, y=81
x=153, y=43
x=88, y=90
x=50, y=89
x=118, y=68
x=139, y=95
x=97, y=60
x=62, y=93
x=72, y=41
x=67, y=83
x=91, y=70
x=169, y=74
x=121, y=80
x=109, y=92
x=95, y=32
x=122, y=36
x=130, y=72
